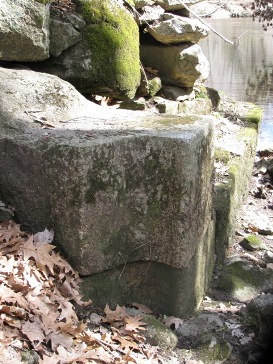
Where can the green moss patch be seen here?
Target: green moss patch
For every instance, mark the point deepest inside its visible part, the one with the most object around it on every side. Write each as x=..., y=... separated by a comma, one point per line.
x=252, y=243
x=254, y=115
x=112, y=35
x=214, y=351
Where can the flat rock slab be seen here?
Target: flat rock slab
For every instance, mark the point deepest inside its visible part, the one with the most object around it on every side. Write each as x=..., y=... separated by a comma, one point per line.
x=118, y=188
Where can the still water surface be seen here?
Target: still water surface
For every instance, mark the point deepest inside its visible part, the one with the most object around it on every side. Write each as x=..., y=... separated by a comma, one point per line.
x=246, y=72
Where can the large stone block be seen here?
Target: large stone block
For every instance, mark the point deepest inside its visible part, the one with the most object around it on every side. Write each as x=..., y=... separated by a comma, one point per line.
x=123, y=191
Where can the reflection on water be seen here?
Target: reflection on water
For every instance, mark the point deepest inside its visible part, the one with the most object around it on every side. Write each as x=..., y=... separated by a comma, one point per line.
x=245, y=72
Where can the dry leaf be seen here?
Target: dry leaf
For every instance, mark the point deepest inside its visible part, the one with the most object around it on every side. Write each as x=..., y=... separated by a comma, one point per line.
x=112, y=316
x=142, y=308
x=134, y=323
x=36, y=290
x=59, y=338
x=33, y=330
x=39, y=254
x=126, y=342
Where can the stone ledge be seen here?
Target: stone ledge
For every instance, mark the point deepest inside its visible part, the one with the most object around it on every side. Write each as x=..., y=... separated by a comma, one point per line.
x=236, y=140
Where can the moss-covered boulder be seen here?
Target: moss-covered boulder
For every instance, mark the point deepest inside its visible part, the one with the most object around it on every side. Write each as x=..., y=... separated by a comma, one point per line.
x=106, y=61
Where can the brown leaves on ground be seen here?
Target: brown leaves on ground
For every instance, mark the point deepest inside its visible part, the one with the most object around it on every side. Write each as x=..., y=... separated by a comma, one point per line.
x=37, y=291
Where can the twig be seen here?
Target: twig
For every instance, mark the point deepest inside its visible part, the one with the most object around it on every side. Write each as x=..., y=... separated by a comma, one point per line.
x=202, y=21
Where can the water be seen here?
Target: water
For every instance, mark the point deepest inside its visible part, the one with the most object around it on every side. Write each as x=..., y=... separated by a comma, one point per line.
x=246, y=72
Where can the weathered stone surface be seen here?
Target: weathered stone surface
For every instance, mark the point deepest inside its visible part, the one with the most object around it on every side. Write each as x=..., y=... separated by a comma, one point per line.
x=180, y=65
x=62, y=36
x=166, y=106
x=150, y=13
x=242, y=282
x=173, y=29
x=268, y=257
x=107, y=59
x=235, y=151
x=197, y=328
x=24, y=31
x=119, y=194
x=158, y=334
x=172, y=291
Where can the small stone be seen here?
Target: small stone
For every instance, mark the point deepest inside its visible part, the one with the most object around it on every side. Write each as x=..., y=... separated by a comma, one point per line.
x=252, y=243
x=158, y=334
x=166, y=106
x=137, y=104
x=268, y=256
x=30, y=357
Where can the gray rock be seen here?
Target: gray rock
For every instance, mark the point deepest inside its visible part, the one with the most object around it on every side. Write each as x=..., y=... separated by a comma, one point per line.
x=75, y=19
x=158, y=334
x=261, y=308
x=261, y=222
x=136, y=104
x=166, y=106
x=173, y=29
x=268, y=257
x=24, y=31
x=181, y=65
x=259, y=312
x=120, y=189
x=199, y=326
x=242, y=282
x=150, y=14
x=62, y=36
